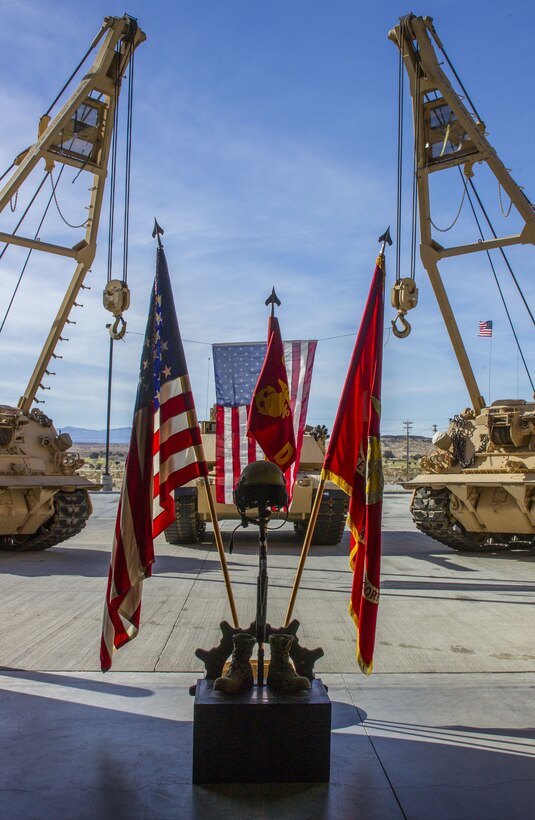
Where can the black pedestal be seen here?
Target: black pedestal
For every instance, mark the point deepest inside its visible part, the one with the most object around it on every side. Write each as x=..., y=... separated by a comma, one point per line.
x=260, y=736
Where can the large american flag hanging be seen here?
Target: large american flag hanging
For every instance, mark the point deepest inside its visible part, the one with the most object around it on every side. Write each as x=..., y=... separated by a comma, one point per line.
x=165, y=452
x=485, y=328
x=237, y=368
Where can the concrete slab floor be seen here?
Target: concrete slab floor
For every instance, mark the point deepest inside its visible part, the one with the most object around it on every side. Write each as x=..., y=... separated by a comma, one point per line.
x=444, y=728
x=403, y=746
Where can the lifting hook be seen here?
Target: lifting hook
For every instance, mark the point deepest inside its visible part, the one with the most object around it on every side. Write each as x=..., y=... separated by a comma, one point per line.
x=118, y=328
x=401, y=334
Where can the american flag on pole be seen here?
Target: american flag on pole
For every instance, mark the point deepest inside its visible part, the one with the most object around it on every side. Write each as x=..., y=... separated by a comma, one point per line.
x=485, y=328
x=165, y=452
x=237, y=368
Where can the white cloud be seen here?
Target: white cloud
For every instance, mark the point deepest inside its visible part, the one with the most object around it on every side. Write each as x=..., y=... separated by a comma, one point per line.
x=249, y=197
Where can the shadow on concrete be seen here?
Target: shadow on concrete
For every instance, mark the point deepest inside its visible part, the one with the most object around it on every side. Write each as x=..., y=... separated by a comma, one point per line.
x=441, y=585
x=467, y=773
x=69, y=681
x=64, y=759
x=345, y=714
x=92, y=563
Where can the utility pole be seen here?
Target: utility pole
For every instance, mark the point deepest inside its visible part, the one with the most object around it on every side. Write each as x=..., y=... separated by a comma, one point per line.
x=435, y=428
x=407, y=425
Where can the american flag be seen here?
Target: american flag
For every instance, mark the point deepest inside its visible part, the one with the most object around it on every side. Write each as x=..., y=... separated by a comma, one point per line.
x=237, y=368
x=485, y=328
x=165, y=452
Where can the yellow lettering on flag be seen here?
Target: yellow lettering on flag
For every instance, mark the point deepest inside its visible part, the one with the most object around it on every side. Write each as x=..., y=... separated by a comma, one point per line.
x=284, y=455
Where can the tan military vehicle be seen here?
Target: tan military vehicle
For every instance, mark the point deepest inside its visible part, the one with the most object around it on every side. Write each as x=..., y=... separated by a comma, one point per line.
x=43, y=499
x=192, y=511
x=477, y=490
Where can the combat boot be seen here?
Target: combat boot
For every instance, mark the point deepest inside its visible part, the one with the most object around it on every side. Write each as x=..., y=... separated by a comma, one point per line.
x=281, y=675
x=240, y=674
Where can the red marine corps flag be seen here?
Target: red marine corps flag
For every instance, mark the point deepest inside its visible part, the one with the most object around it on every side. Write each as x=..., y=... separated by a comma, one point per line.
x=164, y=453
x=353, y=461
x=270, y=419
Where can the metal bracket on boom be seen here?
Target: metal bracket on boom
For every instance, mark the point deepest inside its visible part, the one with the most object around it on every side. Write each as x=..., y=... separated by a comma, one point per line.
x=448, y=134
x=78, y=135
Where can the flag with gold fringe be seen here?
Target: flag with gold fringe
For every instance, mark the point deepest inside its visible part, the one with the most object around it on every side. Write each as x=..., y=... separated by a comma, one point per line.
x=164, y=453
x=270, y=421
x=353, y=462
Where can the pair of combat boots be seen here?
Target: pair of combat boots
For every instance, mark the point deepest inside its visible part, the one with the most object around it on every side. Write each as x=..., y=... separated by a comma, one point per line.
x=281, y=675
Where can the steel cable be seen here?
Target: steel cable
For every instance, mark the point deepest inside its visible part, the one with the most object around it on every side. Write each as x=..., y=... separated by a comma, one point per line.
x=519, y=347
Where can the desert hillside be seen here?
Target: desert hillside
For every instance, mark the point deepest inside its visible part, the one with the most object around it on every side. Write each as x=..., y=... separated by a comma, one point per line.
x=394, y=455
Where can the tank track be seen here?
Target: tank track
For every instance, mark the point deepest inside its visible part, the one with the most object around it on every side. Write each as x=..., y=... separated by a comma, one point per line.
x=71, y=511
x=431, y=514
x=330, y=523
x=187, y=528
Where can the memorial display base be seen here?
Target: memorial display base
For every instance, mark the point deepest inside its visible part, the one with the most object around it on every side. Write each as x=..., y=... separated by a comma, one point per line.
x=261, y=736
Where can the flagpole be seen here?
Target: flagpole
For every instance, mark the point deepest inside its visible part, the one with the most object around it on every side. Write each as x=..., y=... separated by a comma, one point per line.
x=490, y=365
x=213, y=515
x=384, y=239
x=220, y=547
x=304, y=552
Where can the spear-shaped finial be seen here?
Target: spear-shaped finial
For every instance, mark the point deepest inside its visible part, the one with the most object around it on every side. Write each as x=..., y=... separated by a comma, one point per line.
x=157, y=232
x=385, y=239
x=273, y=300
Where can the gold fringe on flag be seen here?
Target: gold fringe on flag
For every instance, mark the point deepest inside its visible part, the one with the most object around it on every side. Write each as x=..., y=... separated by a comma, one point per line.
x=366, y=668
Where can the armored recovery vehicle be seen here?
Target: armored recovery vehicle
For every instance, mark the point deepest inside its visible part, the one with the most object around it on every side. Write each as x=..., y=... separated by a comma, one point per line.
x=43, y=499
x=477, y=490
x=192, y=511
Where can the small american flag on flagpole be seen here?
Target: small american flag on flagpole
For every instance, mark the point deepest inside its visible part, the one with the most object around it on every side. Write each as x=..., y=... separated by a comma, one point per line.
x=164, y=453
x=237, y=368
x=485, y=328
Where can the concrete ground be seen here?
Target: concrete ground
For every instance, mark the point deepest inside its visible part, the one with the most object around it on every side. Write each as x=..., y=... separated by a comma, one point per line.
x=444, y=728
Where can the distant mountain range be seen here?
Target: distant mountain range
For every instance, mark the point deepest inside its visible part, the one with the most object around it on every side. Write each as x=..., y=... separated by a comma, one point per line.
x=80, y=435
x=121, y=435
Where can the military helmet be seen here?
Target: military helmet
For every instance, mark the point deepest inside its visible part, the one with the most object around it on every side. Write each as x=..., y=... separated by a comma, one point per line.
x=261, y=485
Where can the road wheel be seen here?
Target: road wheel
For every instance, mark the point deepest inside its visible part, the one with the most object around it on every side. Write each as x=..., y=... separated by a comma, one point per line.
x=431, y=513
x=187, y=528
x=71, y=511
x=330, y=523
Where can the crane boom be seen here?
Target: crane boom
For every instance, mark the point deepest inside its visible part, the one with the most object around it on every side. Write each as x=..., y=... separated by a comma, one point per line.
x=446, y=135
x=79, y=135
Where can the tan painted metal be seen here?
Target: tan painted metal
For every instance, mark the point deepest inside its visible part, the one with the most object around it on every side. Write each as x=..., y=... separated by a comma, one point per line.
x=431, y=90
x=35, y=463
x=486, y=459
x=308, y=480
x=97, y=92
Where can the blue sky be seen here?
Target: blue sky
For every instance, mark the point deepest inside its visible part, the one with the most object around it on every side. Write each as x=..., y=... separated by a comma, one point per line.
x=265, y=144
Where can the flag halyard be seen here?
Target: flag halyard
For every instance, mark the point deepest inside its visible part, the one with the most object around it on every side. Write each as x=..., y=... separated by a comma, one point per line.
x=164, y=453
x=353, y=462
